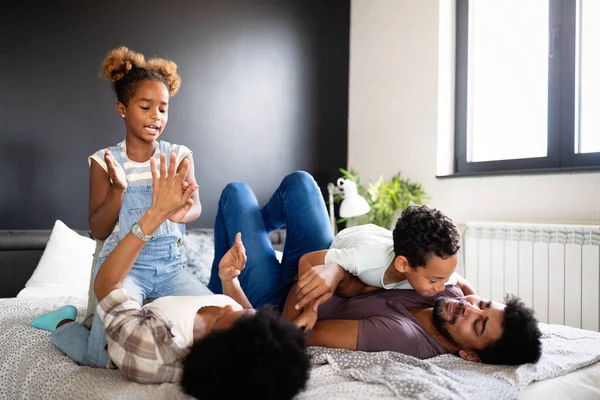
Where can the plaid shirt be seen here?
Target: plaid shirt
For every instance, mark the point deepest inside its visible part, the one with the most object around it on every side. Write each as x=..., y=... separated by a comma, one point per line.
x=140, y=340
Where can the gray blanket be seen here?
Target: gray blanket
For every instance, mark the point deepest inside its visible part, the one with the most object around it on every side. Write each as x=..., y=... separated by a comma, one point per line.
x=31, y=368
x=357, y=375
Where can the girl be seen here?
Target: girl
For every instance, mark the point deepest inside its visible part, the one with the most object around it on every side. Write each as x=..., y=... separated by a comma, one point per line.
x=121, y=192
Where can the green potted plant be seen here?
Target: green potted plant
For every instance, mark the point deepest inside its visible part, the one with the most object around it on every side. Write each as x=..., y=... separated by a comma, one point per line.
x=386, y=198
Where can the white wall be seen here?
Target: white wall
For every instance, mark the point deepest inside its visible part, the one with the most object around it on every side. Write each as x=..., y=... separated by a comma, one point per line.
x=394, y=118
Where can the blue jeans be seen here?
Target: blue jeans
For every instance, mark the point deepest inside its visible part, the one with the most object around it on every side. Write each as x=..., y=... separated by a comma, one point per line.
x=297, y=205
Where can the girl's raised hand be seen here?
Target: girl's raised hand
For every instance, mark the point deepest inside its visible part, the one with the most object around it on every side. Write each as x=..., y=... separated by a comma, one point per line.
x=115, y=171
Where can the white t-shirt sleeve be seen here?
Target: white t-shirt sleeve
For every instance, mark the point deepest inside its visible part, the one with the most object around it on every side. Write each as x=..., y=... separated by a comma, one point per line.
x=345, y=258
x=180, y=151
x=452, y=280
x=358, y=259
x=99, y=158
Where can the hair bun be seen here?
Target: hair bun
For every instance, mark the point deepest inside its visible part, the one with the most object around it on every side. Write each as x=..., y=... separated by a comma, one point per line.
x=168, y=69
x=119, y=62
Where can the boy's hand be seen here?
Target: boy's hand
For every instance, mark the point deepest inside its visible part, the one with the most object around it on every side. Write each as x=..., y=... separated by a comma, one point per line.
x=306, y=320
x=169, y=194
x=465, y=285
x=115, y=171
x=318, y=284
x=234, y=261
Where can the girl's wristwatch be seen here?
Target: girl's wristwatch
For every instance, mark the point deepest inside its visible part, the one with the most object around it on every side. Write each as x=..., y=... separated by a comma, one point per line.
x=136, y=230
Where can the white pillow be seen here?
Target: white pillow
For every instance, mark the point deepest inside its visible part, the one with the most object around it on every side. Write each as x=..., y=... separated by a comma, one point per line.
x=65, y=266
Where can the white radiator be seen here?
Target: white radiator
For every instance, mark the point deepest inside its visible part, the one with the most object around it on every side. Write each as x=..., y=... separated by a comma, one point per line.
x=553, y=268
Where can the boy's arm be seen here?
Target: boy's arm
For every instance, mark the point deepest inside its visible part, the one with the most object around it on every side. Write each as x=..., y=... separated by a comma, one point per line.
x=318, y=281
x=191, y=211
x=465, y=285
x=341, y=334
x=305, y=315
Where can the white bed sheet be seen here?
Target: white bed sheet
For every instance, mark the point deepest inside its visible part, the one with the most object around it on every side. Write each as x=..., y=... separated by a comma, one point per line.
x=583, y=384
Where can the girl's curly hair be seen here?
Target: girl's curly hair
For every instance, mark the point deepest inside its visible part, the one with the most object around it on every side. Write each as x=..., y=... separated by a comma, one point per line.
x=126, y=68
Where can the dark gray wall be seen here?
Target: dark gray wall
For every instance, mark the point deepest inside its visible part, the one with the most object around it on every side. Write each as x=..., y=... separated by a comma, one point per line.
x=264, y=92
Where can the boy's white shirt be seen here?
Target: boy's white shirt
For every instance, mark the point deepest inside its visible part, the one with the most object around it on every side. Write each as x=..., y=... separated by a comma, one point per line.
x=366, y=251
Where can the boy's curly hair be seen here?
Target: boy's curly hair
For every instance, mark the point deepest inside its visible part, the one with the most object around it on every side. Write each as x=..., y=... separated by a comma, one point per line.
x=126, y=68
x=261, y=356
x=422, y=231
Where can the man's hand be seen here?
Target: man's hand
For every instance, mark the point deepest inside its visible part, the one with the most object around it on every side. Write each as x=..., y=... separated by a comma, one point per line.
x=234, y=261
x=115, y=171
x=170, y=191
x=318, y=284
x=306, y=320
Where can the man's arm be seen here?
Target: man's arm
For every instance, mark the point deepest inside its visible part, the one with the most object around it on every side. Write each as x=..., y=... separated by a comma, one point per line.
x=318, y=281
x=350, y=286
x=340, y=334
x=306, y=316
x=378, y=333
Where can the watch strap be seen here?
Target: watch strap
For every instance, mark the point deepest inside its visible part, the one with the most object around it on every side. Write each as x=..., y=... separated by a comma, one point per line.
x=137, y=231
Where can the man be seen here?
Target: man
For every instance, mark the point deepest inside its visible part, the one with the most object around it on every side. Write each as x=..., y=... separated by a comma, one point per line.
x=398, y=320
x=403, y=321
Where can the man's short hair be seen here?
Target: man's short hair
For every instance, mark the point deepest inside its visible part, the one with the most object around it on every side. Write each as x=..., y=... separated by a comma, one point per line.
x=520, y=343
x=260, y=356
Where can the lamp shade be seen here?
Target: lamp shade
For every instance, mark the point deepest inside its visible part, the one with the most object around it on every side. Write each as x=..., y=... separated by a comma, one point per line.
x=353, y=204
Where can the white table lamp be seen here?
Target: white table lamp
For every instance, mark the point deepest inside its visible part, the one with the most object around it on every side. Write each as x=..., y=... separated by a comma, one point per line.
x=352, y=205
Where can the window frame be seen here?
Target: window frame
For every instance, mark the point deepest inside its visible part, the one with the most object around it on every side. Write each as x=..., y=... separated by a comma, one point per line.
x=562, y=81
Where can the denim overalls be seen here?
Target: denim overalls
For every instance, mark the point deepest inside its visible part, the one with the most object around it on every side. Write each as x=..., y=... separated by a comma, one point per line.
x=158, y=271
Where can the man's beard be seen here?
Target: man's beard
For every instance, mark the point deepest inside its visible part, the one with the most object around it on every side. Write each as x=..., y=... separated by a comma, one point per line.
x=440, y=323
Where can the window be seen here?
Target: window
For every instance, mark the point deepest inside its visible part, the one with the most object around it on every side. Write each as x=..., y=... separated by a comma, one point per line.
x=527, y=86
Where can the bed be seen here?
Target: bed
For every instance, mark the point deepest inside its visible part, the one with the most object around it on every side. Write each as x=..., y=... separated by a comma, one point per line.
x=31, y=368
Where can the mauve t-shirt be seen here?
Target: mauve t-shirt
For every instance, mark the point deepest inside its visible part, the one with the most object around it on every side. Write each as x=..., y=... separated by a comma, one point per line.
x=385, y=322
